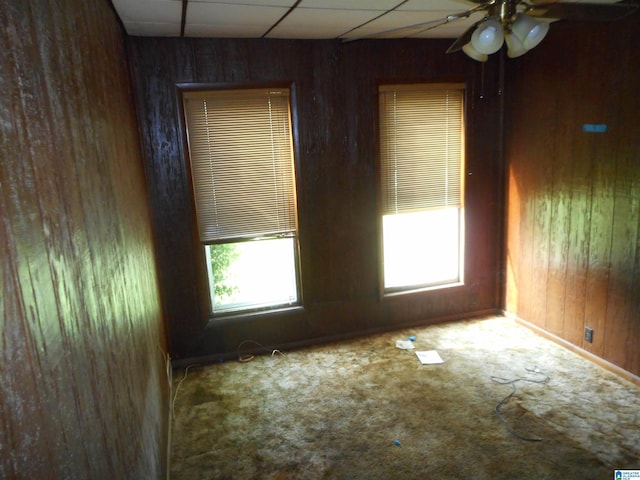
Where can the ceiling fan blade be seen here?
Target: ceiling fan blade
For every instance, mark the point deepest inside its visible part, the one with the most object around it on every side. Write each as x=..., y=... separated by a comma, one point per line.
x=423, y=26
x=462, y=39
x=581, y=11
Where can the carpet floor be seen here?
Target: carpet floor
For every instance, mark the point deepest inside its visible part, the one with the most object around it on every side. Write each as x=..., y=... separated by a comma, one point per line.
x=366, y=409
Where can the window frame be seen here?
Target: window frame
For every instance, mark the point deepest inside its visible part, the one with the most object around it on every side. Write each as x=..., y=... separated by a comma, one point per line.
x=402, y=291
x=203, y=286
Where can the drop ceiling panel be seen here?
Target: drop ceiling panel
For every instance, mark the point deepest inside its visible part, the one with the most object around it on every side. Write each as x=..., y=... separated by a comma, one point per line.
x=350, y=4
x=437, y=5
x=150, y=17
x=208, y=19
x=149, y=11
x=247, y=3
x=148, y=29
x=321, y=22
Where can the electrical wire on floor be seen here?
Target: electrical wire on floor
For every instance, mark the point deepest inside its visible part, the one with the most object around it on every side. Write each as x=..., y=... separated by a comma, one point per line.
x=175, y=394
x=249, y=357
x=505, y=381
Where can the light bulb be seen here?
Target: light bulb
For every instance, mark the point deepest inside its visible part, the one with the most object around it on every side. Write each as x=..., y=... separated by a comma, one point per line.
x=488, y=37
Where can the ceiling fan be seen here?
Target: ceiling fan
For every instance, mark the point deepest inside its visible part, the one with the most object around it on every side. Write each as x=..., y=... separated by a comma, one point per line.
x=520, y=24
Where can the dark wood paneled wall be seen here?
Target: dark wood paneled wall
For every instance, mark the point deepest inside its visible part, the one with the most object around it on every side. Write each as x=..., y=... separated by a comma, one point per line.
x=84, y=392
x=574, y=197
x=336, y=106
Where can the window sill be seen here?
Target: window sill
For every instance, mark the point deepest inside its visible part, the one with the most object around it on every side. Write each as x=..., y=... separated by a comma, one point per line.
x=236, y=316
x=390, y=295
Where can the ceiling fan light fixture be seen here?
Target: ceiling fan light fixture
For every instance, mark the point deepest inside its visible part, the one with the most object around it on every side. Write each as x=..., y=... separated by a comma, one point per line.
x=473, y=53
x=514, y=46
x=529, y=31
x=488, y=37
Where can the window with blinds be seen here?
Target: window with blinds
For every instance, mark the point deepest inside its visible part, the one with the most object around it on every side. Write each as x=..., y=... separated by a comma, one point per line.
x=242, y=168
x=421, y=135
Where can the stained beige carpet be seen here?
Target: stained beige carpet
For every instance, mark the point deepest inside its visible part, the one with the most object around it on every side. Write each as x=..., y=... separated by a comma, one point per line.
x=365, y=409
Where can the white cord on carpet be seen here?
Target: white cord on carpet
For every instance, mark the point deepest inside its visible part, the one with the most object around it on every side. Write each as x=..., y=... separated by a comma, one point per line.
x=504, y=381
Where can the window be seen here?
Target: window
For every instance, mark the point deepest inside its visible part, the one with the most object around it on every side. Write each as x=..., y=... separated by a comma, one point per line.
x=242, y=170
x=421, y=165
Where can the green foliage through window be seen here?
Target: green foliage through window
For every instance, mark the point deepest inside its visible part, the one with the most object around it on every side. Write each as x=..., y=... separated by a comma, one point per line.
x=222, y=256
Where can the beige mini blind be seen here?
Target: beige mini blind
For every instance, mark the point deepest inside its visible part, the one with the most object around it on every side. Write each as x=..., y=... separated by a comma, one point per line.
x=421, y=146
x=241, y=154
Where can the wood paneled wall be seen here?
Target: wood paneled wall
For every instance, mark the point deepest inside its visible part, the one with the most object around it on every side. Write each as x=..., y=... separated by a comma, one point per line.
x=574, y=197
x=336, y=106
x=84, y=390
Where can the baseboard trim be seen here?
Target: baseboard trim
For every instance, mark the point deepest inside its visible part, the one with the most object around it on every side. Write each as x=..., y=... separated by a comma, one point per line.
x=621, y=372
x=322, y=340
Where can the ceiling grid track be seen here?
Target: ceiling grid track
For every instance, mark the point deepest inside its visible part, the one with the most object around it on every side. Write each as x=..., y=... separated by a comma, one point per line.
x=373, y=19
x=183, y=21
x=293, y=7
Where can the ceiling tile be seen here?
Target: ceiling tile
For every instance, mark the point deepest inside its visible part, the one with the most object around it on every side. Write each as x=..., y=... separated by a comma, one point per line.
x=427, y=5
x=148, y=29
x=321, y=23
x=383, y=5
x=205, y=30
x=248, y=3
x=149, y=11
x=231, y=20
